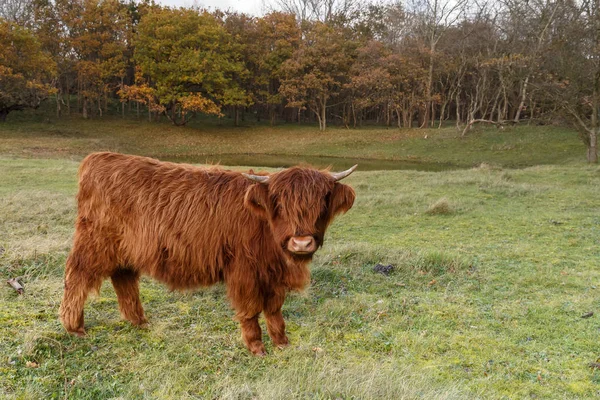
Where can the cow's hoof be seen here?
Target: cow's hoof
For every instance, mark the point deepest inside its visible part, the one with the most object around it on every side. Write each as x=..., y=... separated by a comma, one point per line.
x=282, y=343
x=79, y=332
x=257, y=348
x=142, y=324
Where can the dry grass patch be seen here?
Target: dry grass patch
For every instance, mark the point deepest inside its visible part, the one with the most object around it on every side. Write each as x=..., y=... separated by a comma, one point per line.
x=440, y=207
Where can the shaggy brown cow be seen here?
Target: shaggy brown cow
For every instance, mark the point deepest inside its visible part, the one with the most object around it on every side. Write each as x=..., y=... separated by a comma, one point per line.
x=190, y=227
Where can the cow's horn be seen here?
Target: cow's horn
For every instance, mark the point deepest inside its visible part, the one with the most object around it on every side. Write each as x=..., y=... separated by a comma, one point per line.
x=341, y=175
x=257, y=178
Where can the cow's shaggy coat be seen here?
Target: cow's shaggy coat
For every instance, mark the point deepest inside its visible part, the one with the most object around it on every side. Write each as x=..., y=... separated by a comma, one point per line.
x=190, y=227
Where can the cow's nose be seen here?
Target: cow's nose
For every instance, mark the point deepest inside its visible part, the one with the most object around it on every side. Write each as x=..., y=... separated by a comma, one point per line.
x=302, y=244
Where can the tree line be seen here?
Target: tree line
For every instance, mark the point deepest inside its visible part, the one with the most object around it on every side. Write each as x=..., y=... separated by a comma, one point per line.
x=415, y=63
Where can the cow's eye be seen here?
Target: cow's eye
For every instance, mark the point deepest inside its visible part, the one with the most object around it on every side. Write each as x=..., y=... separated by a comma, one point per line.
x=276, y=210
x=325, y=204
x=324, y=208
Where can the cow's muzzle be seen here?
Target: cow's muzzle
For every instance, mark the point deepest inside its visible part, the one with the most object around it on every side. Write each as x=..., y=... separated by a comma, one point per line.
x=302, y=245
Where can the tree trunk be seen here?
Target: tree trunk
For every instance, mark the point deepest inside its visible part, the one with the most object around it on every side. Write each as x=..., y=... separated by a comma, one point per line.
x=505, y=106
x=495, y=105
x=592, y=151
x=531, y=110
x=428, y=86
x=388, y=119
x=323, y=113
x=84, y=111
x=523, y=97
x=79, y=88
x=3, y=114
x=105, y=103
x=173, y=116
x=68, y=95
x=122, y=102
x=318, y=114
x=442, y=112
x=58, y=110
x=457, y=101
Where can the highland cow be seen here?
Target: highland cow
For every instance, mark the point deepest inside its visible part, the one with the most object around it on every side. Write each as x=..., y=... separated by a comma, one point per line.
x=189, y=227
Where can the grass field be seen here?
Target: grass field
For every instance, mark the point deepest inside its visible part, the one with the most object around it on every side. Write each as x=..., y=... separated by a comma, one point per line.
x=73, y=138
x=494, y=268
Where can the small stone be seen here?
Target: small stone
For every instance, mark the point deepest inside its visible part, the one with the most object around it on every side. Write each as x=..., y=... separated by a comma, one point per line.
x=384, y=269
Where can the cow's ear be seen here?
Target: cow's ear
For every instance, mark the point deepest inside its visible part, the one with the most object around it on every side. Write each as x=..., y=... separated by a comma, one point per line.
x=342, y=198
x=256, y=200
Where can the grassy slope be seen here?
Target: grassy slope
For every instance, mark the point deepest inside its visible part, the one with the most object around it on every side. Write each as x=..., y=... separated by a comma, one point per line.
x=73, y=138
x=485, y=301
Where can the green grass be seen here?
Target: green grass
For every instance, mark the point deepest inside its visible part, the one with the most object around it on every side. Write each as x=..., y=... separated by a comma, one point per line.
x=485, y=300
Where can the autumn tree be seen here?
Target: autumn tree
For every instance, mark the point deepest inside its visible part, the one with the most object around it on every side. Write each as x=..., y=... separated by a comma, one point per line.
x=572, y=70
x=526, y=26
x=278, y=36
x=97, y=38
x=54, y=37
x=318, y=70
x=265, y=44
x=190, y=61
x=243, y=31
x=16, y=11
x=26, y=70
x=432, y=18
x=320, y=10
x=385, y=22
x=370, y=83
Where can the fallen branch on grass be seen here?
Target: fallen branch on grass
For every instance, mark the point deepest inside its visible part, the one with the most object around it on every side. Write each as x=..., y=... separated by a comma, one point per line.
x=15, y=284
x=497, y=124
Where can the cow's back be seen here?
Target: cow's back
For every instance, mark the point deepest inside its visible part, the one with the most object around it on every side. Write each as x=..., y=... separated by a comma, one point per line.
x=179, y=223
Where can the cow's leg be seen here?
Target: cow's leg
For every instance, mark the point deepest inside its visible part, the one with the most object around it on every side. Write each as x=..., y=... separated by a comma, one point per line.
x=252, y=335
x=248, y=303
x=81, y=277
x=275, y=322
x=126, y=284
